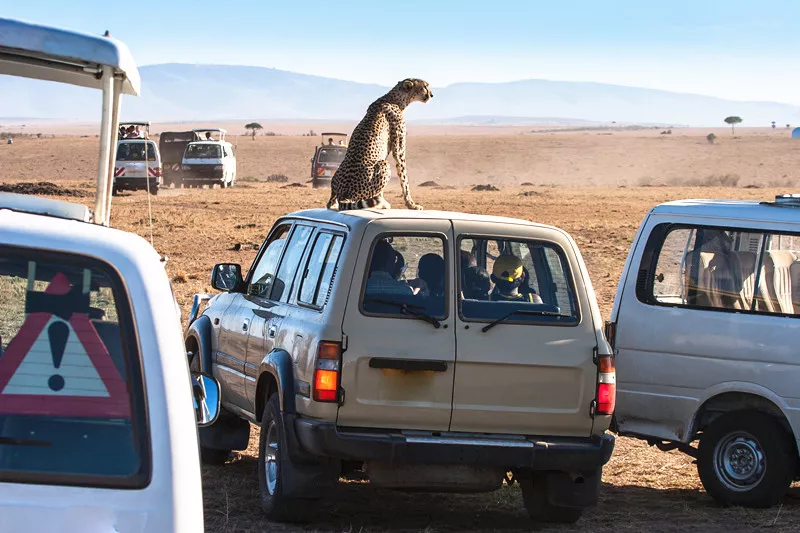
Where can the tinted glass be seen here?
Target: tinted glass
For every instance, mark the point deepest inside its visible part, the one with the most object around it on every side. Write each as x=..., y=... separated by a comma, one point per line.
x=203, y=151
x=503, y=276
x=135, y=151
x=71, y=402
x=406, y=270
x=290, y=263
x=264, y=270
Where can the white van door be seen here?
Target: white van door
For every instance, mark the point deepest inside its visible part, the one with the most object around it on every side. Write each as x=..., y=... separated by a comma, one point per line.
x=79, y=450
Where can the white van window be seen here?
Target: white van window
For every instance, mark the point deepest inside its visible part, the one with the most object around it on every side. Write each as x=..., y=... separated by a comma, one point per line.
x=203, y=151
x=134, y=151
x=319, y=270
x=529, y=279
x=406, y=274
x=71, y=396
x=727, y=269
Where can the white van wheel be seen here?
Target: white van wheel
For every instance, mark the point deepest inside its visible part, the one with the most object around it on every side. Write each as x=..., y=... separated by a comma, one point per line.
x=746, y=458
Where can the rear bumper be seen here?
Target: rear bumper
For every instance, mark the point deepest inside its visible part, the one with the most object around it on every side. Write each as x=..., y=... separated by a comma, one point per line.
x=563, y=454
x=136, y=184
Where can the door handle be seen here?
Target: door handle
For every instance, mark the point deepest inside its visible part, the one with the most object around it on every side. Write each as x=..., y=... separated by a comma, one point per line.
x=409, y=365
x=272, y=330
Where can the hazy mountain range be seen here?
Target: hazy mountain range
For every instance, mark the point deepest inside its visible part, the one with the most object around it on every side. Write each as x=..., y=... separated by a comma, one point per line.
x=180, y=92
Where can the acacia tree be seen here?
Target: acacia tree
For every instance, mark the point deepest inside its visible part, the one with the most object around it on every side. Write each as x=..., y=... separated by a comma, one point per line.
x=253, y=127
x=733, y=120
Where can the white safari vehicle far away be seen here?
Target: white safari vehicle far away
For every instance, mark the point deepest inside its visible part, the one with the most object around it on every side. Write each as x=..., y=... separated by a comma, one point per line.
x=706, y=329
x=97, y=424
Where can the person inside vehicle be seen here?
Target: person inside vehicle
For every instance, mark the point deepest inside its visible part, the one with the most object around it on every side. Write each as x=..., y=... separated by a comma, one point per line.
x=430, y=272
x=381, y=279
x=400, y=266
x=330, y=141
x=476, y=283
x=507, y=275
x=208, y=136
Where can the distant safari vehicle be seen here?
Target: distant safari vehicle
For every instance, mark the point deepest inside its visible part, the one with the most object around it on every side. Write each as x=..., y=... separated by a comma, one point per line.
x=327, y=158
x=134, y=146
x=209, y=161
x=172, y=145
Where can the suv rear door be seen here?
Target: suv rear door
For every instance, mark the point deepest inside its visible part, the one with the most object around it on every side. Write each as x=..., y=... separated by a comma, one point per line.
x=398, y=368
x=533, y=374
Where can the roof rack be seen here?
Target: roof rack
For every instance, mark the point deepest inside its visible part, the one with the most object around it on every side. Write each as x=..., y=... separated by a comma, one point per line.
x=784, y=200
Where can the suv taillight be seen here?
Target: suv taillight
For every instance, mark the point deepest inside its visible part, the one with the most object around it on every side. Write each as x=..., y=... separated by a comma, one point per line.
x=326, y=372
x=606, y=385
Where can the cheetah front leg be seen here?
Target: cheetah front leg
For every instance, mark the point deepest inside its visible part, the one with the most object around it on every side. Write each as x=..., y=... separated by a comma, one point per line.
x=381, y=175
x=399, y=153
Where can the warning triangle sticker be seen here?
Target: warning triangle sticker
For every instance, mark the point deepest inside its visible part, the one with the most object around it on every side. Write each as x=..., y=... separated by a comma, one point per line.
x=58, y=366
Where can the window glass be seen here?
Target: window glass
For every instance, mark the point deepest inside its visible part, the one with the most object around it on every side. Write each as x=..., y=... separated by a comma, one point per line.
x=203, y=151
x=290, y=263
x=526, y=280
x=718, y=268
x=264, y=270
x=71, y=397
x=406, y=273
x=134, y=151
x=319, y=271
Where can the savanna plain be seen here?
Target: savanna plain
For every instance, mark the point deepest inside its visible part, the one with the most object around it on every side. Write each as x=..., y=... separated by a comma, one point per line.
x=597, y=185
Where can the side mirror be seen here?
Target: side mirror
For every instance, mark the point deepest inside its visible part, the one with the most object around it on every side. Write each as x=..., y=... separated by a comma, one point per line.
x=205, y=390
x=226, y=277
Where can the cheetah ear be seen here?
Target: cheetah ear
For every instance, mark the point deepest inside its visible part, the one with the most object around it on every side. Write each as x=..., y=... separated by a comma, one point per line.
x=408, y=85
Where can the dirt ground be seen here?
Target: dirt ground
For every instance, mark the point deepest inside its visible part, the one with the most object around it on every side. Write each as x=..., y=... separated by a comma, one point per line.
x=643, y=489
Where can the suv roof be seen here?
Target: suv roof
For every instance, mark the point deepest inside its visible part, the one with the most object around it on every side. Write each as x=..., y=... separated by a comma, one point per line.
x=24, y=203
x=361, y=217
x=752, y=210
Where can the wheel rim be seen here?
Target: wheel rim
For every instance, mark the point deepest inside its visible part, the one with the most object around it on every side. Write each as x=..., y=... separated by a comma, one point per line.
x=271, y=457
x=739, y=461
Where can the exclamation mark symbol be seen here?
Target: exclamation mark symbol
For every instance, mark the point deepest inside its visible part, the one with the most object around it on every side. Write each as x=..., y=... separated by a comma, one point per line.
x=57, y=333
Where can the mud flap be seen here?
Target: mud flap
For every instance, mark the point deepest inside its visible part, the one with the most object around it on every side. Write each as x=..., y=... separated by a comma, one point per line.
x=229, y=432
x=305, y=477
x=566, y=489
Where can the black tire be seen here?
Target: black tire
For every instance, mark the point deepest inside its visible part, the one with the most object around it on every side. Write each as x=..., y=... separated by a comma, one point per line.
x=534, y=495
x=746, y=458
x=154, y=191
x=208, y=456
x=272, y=469
x=114, y=191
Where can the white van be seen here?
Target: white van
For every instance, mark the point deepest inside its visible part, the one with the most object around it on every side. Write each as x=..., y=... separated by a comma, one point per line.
x=209, y=161
x=97, y=424
x=131, y=173
x=706, y=329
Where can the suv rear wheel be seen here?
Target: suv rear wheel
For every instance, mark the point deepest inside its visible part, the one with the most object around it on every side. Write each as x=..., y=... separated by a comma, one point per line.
x=274, y=466
x=746, y=458
x=535, y=497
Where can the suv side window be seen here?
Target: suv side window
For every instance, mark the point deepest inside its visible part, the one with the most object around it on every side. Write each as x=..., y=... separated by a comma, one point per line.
x=320, y=268
x=291, y=263
x=72, y=404
x=723, y=269
x=406, y=270
x=530, y=278
x=264, y=270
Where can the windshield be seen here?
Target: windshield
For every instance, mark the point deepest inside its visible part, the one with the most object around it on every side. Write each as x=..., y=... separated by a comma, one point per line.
x=331, y=155
x=203, y=151
x=135, y=151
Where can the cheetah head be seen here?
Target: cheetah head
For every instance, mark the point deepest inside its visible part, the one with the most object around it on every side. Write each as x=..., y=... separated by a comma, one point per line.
x=416, y=89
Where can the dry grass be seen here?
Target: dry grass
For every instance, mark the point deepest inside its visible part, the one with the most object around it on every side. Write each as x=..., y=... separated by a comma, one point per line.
x=643, y=489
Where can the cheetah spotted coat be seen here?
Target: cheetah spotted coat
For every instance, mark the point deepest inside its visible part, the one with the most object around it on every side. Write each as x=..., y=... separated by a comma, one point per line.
x=364, y=172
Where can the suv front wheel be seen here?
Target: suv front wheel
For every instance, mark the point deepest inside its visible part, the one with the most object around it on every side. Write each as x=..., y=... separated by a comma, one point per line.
x=274, y=466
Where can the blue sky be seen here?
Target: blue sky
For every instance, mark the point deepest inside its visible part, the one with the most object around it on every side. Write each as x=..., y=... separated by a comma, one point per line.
x=743, y=50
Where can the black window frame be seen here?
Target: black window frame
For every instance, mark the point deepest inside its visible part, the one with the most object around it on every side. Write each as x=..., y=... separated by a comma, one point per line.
x=137, y=391
x=447, y=272
x=645, y=275
x=575, y=320
x=316, y=237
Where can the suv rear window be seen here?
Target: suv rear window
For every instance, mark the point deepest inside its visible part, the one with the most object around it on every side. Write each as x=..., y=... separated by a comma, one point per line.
x=527, y=280
x=406, y=274
x=71, y=393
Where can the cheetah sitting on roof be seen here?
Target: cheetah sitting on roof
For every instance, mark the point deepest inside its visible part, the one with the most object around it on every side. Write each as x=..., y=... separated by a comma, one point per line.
x=363, y=174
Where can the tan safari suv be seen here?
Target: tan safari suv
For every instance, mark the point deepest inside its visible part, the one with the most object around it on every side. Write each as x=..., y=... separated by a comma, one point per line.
x=429, y=350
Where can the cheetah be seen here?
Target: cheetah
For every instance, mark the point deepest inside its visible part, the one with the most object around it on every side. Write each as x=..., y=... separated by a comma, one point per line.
x=363, y=174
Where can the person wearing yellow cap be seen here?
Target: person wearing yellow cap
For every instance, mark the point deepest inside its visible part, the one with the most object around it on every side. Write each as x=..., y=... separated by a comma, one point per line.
x=508, y=275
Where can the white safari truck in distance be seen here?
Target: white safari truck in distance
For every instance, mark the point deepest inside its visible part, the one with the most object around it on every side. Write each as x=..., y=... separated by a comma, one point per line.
x=97, y=425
